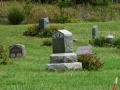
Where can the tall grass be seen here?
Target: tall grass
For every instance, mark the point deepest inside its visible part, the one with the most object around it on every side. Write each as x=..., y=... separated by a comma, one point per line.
x=29, y=73
x=78, y=13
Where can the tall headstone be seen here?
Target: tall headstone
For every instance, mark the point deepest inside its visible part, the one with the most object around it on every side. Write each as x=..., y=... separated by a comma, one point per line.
x=43, y=23
x=62, y=42
x=17, y=50
x=94, y=31
x=63, y=56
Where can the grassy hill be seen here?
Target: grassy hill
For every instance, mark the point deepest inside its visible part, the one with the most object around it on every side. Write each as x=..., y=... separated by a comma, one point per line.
x=29, y=73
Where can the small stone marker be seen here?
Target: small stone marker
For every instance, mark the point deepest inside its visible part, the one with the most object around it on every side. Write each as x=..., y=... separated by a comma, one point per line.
x=63, y=57
x=94, y=31
x=110, y=38
x=84, y=50
x=17, y=50
x=43, y=23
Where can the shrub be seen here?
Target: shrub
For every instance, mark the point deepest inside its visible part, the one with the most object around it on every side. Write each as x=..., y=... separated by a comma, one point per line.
x=116, y=43
x=62, y=17
x=47, y=32
x=63, y=4
x=27, y=6
x=32, y=30
x=15, y=15
x=3, y=55
x=100, y=2
x=47, y=42
x=100, y=41
x=90, y=61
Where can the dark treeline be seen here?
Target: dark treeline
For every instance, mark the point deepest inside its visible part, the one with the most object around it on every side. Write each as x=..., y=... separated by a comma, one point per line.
x=73, y=2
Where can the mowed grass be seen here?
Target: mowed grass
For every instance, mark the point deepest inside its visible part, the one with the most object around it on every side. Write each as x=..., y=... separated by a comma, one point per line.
x=29, y=73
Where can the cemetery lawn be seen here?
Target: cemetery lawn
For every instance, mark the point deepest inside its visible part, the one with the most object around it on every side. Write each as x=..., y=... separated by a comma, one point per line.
x=29, y=73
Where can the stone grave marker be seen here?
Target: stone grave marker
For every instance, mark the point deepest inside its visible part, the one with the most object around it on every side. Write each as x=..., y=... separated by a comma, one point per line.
x=84, y=50
x=62, y=42
x=63, y=57
x=17, y=50
x=94, y=31
x=43, y=23
x=110, y=38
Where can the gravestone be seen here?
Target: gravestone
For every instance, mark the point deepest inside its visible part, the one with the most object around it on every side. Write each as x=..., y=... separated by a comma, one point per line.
x=84, y=50
x=63, y=57
x=43, y=23
x=110, y=38
x=17, y=50
x=62, y=42
x=94, y=31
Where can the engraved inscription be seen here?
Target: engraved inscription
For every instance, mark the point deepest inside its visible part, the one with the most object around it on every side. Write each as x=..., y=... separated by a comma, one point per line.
x=57, y=35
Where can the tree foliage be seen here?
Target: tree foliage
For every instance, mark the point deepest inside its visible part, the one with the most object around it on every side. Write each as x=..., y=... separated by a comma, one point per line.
x=73, y=2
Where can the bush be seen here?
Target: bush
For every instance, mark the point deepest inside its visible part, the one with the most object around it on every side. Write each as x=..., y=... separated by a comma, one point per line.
x=100, y=41
x=15, y=15
x=48, y=32
x=116, y=43
x=90, y=61
x=47, y=42
x=32, y=30
x=65, y=3
x=62, y=17
x=100, y=2
x=3, y=55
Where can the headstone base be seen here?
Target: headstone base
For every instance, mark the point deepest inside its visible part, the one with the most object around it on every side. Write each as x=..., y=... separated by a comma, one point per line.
x=63, y=58
x=64, y=66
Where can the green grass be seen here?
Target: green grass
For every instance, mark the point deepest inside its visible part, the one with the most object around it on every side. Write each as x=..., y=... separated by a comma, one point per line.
x=29, y=73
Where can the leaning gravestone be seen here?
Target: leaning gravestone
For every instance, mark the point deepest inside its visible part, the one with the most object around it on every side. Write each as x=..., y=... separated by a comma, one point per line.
x=84, y=50
x=63, y=57
x=17, y=50
x=94, y=31
x=43, y=23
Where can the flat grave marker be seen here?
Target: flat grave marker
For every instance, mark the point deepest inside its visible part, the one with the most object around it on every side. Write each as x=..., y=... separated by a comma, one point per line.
x=84, y=50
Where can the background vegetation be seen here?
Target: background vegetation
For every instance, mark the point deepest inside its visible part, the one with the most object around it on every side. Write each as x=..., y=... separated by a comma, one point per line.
x=62, y=11
x=29, y=73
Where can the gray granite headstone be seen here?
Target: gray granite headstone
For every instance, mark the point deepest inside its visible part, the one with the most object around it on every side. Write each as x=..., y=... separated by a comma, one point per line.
x=84, y=50
x=62, y=42
x=94, y=31
x=17, y=50
x=43, y=23
x=63, y=57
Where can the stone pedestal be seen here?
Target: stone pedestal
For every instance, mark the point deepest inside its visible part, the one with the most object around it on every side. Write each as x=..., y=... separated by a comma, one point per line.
x=64, y=66
x=63, y=58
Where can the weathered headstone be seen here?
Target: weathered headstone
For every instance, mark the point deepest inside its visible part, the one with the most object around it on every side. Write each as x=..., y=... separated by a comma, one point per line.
x=110, y=38
x=84, y=50
x=17, y=50
x=62, y=42
x=43, y=23
x=94, y=31
x=63, y=57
